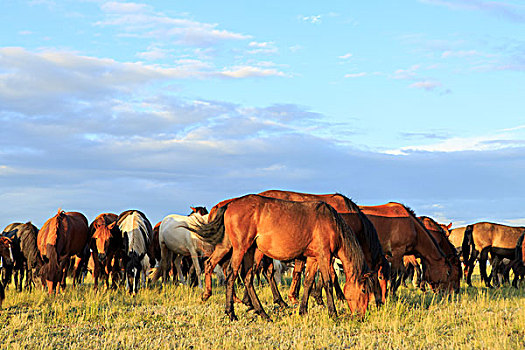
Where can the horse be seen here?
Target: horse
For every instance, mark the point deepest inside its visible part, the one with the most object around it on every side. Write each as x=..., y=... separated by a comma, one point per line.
x=106, y=247
x=518, y=264
x=136, y=233
x=483, y=238
x=401, y=233
x=25, y=252
x=285, y=230
x=364, y=230
x=64, y=235
x=6, y=257
x=440, y=234
x=175, y=238
x=455, y=237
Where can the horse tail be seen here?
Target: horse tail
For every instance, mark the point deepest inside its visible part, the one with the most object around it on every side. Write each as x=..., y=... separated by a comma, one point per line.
x=212, y=232
x=467, y=247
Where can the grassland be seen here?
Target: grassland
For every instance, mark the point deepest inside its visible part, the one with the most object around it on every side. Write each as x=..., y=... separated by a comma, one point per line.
x=174, y=317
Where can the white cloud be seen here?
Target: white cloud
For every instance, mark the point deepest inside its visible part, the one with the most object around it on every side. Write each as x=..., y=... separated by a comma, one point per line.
x=143, y=21
x=426, y=85
x=356, y=75
x=346, y=56
x=315, y=19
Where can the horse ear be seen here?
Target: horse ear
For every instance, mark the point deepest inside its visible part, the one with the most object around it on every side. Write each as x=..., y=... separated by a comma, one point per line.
x=112, y=225
x=449, y=226
x=194, y=210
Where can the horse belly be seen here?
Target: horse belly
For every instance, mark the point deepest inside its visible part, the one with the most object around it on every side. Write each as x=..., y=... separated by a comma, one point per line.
x=282, y=248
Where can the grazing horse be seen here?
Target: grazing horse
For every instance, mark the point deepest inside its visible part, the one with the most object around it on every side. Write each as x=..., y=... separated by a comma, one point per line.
x=401, y=233
x=175, y=238
x=25, y=251
x=359, y=223
x=6, y=257
x=483, y=238
x=256, y=226
x=136, y=234
x=518, y=264
x=439, y=232
x=61, y=237
x=106, y=249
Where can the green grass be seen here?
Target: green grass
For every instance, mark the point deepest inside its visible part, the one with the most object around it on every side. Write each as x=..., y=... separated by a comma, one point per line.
x=174, y=317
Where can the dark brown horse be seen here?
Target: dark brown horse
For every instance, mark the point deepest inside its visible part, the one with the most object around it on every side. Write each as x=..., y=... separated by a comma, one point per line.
x=401, y=233
x=359, y=223
x=440, y=234
x=106, y=249
x=6, y=258
x=25, y=252
x=62, y=237
x=483, y=238
x=285, y=230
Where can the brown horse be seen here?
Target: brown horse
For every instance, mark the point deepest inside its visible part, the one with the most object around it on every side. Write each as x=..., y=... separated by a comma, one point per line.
x=440, y=234
x=401, y=233
x=6, y=257
x=285, y=230
x=483, y=238
x=25, y=252
x=62, y=236
x=359, y=223
x=106, y=249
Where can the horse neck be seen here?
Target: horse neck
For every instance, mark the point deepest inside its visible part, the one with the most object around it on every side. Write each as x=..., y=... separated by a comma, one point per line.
x=426, y=245
x=351, y=270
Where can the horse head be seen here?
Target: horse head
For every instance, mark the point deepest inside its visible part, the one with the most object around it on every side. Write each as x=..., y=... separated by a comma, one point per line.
x=102, y=238
x=6, y=251
x=358, y=293
x=199, y=210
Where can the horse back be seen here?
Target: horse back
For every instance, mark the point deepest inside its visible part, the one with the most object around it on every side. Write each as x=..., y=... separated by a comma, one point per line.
x=487, y=234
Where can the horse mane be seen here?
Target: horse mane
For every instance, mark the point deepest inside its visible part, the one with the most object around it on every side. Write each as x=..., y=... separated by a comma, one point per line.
x=349, y=241
x=422, y=225
x=348, y=202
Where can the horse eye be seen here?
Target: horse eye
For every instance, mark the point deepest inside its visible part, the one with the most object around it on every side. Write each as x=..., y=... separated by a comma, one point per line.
x=380, y=277
x=363, y=290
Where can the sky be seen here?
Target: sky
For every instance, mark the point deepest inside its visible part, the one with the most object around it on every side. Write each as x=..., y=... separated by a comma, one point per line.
x=113, y=105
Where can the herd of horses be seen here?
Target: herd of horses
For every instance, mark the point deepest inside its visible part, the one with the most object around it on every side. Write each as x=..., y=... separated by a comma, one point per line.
x=376, y=247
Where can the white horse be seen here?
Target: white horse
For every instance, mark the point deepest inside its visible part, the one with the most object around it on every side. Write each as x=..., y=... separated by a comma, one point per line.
x=176, y=238
x=136, y=233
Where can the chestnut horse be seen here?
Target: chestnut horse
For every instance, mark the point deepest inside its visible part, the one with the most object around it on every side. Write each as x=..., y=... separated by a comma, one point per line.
x=64, y=235
x=359, y=223
x=27, y=259
x=483, y=238
x=106, y=249
x=285, y=230
x=401, y=233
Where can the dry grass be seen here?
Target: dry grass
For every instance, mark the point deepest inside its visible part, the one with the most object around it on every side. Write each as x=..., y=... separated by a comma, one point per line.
x=176, y=318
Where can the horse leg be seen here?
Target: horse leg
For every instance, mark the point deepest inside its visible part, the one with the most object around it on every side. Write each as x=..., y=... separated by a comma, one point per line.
x=250, y=267
x=197, y=265
x=295, y=286
x=235, y=264
x=178, y=266
x=338, y=291
x=327, y=283
x=495, y=271
x=269, y=270
x=317, y=291
x=483, y=257
x=311, y=269
x=218, y=254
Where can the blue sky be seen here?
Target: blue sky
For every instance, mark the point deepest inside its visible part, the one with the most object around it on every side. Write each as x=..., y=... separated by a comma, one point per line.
x=111, y=105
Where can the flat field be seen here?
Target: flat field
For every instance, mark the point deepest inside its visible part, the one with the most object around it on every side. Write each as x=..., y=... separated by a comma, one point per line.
x=174, y=317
